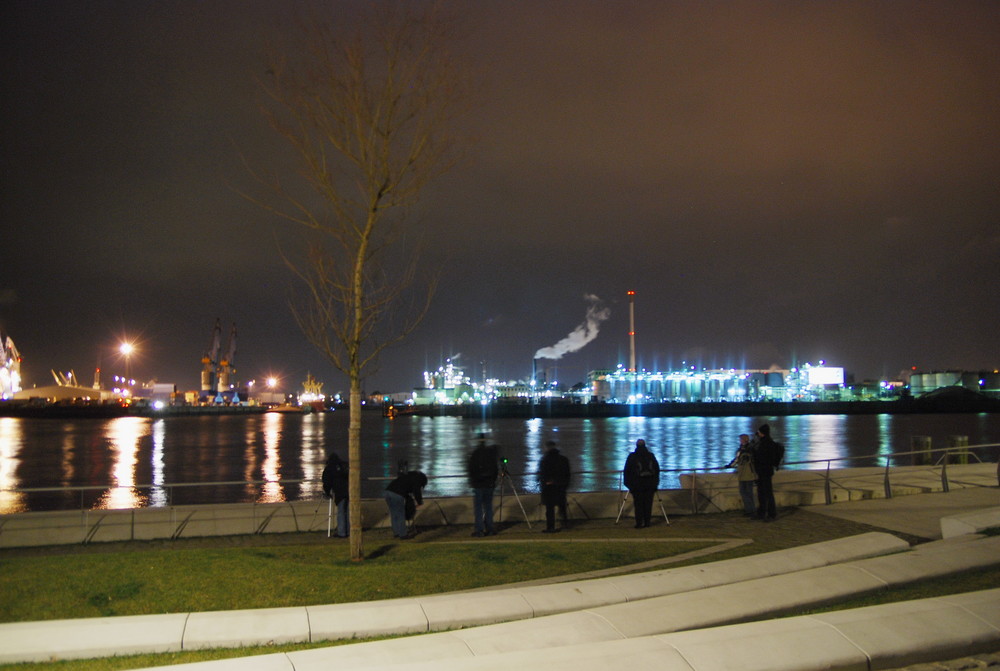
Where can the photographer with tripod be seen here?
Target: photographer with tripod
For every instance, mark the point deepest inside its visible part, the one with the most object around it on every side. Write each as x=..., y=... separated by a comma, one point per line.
x=642, y=478
x=483, y=472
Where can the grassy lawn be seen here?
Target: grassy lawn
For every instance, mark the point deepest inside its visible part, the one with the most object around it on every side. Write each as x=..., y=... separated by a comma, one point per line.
x=205, y=579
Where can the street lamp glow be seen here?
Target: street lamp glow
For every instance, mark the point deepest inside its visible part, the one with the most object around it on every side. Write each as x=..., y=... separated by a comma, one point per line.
x=126, y=349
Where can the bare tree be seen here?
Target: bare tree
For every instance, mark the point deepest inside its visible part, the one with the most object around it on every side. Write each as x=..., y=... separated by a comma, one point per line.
x=369, y=117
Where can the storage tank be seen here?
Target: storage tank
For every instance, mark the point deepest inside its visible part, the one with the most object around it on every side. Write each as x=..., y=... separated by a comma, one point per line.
x=946, y=379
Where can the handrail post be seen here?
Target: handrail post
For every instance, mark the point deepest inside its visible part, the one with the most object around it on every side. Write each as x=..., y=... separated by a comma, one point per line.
x=944, y=473
x=826, y=484
x=886, y=484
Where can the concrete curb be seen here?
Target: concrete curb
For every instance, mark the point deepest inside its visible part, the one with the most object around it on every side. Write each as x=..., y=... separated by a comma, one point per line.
x=970, y=523
x=877, y=637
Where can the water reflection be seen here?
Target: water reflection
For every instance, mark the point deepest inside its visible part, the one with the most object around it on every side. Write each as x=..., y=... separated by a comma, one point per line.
x=157, y=493
x=138, y=454
x=313, y=455
x=884, y=434
x=271, y=491
x=250, y=455
x=823, y=434
x=123, y=438
x=10, y=445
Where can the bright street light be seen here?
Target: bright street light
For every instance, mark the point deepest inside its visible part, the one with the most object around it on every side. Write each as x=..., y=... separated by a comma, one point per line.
x=126, y=349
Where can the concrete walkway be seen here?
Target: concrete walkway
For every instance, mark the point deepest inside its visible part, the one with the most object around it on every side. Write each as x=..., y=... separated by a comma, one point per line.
x=703, y=493
x=696, y=617
x=924, y=515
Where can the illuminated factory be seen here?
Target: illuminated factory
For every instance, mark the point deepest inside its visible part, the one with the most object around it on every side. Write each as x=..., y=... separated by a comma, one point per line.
x=10, y=368
x=449, y=385
x=631, y=385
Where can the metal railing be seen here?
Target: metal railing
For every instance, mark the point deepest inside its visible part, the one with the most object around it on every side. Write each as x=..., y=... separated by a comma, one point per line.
x=164, y=493
x=945, y=454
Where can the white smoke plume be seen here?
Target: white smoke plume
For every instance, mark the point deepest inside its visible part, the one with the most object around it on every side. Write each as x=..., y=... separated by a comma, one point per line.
x=582, y=334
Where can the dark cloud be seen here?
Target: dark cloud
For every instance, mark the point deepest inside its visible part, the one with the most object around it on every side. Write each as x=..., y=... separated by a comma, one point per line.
x=777, y=181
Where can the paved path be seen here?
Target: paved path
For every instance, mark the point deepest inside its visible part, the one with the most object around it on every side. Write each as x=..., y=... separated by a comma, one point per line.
x=917, y=514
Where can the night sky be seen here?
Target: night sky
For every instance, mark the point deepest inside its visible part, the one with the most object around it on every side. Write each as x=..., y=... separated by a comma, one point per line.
x=779, y=183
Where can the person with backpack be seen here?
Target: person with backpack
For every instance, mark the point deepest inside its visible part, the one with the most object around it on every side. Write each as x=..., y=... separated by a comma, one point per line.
x=335, y=475
x=483, y=471
x=642, y=478
x=767, y=456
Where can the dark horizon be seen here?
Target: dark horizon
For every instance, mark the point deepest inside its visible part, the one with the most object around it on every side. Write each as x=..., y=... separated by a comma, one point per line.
x=779, y=182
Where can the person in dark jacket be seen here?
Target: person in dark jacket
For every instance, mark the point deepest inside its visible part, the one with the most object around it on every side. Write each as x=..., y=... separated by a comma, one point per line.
x=766, y=457
x=483, y=471
x=642, y=477
x=335, y=476
x=554, y=475
x=408, y=485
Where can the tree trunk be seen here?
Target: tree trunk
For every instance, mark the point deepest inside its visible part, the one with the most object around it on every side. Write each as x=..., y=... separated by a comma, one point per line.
x=354, y=477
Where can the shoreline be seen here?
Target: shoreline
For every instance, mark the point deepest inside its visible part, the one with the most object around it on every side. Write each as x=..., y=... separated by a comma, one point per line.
x=553, y=409
x=569, y=410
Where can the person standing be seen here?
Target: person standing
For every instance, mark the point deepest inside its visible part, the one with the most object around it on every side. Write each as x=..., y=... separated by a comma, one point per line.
x=642, y=478
x=335, y=475
x=766, y=457
x=745, y=474
x=407, y=486
x=483, y=471
x=554, y=476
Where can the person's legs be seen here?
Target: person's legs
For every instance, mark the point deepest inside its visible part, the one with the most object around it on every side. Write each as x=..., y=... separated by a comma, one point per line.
x=643, y=502
x=488, y=510
x=397, y=513
x=343, y=519
x=647, y=508
x=478, y=510
x=549, y=501
x=760, y=498
x=746, y=493
x=550, y=517
x=772, y=506
x=765, y=499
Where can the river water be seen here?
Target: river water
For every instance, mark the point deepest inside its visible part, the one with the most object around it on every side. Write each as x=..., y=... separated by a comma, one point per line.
x=49, y=464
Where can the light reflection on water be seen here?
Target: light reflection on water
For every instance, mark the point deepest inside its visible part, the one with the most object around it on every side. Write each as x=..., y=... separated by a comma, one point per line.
x=10, y=446
x=146, y=458
x=123, y=435
x=158, y=495
x=271, y=468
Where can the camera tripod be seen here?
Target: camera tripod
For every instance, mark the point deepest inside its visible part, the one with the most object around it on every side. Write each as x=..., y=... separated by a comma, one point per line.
x=505, y=477
x=658, y=500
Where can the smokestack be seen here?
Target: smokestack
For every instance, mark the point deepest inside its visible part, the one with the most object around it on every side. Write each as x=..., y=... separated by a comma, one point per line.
x=631, y=331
